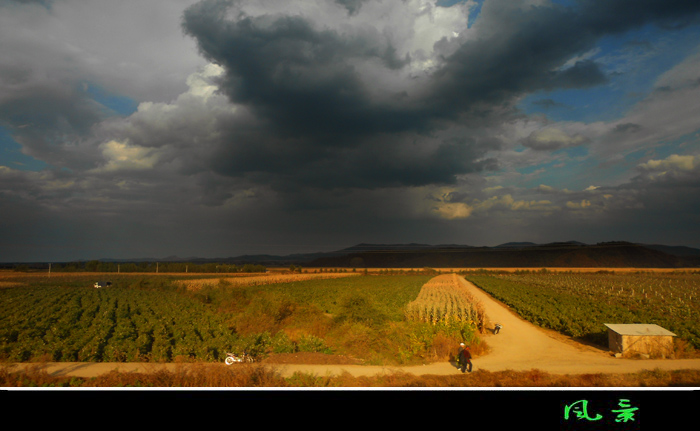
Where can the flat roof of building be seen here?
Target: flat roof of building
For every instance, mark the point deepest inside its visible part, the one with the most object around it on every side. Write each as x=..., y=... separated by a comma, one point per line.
x=638, y=329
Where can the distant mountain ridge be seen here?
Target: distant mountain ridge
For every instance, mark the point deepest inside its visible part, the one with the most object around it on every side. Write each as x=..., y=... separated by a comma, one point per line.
x=510, y=254
x=615, y=254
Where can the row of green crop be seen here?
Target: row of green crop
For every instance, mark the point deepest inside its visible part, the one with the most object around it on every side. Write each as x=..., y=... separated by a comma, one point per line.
x=580, y=304
x=86, y=324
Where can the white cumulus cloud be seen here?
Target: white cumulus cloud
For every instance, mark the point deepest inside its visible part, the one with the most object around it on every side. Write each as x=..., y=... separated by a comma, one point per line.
x=124, y=156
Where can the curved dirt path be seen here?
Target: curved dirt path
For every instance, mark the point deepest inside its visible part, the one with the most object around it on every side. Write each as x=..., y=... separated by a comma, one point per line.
x=520, y=346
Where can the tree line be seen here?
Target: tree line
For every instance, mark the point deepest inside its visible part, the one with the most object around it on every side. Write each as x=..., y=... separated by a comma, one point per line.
x=155, y=267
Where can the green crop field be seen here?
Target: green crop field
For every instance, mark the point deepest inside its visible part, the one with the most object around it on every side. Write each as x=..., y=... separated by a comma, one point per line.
x=87, y=324
x=579, y=304
x=155, y=318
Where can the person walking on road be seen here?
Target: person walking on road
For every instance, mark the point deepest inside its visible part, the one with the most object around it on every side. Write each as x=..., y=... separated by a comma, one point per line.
x=497, y=328
x=464, y=358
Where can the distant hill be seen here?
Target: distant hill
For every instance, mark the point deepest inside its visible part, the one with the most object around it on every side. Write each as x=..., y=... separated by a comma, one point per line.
x=516, y=244
x=525, y=255
x=676, y=250
x=617, y=254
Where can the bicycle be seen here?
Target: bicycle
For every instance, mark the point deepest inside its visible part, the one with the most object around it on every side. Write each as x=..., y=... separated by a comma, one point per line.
x=232, y=358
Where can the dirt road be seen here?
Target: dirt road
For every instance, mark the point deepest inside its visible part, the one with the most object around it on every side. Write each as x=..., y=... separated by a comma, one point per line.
x=520, y=346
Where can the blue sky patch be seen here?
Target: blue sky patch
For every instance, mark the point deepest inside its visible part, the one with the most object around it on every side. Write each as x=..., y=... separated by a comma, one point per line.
x=633, y=63
x=120, y=105
x=11, y=154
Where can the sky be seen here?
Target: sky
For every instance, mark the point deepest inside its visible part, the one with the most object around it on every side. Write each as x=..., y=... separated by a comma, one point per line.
x=155, y=128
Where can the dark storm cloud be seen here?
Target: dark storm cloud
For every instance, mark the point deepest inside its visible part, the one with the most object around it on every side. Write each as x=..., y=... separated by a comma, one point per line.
x=616, y=16
x=581, y=75
x=300, y=78
x=45, y=3
x=321, y=120
x=524, y=48
x=49, y=121
x=626, y=128
x=319, y=124
x=381, y=161
x=659, y=202
x=517, y=56
x=328, y=120
x=353, y=6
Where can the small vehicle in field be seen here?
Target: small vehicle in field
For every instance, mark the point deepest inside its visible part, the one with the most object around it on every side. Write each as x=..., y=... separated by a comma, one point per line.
x=99, y=284
x=232, y=358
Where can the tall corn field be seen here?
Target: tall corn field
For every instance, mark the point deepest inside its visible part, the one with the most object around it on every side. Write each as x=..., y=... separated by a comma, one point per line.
x=445, y=299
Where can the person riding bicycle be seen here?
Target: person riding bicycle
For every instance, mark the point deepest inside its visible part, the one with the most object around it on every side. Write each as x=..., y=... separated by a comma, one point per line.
x=464, y=357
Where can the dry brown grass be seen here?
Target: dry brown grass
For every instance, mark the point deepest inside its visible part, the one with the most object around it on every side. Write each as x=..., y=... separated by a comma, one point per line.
x=4, y=275
x=30, y=275
x=313, y=358
x=523, y=379
x=260, y=375
x=258, y=280
x=192, y=375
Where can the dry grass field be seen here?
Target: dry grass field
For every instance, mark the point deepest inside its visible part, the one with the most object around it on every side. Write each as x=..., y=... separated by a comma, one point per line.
x=258, y=280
